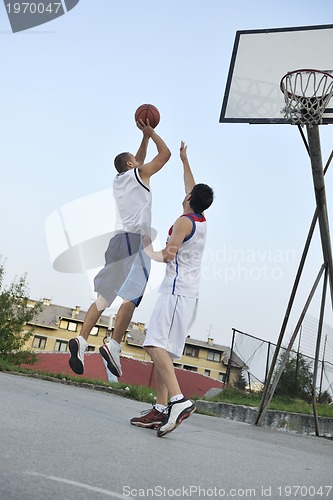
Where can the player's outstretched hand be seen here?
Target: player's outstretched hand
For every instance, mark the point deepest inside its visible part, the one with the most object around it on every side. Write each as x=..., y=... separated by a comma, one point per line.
x=183, y=153
x=145, y=128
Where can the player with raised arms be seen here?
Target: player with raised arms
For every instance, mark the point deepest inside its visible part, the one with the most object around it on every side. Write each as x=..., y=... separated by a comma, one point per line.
x=176, y=307
x=127, y=266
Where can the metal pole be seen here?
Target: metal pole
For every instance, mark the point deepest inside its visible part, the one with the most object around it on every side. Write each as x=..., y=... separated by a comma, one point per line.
x=267, y=360
x=227, y=375
x=315, y=367
x=297, y=356
x=322, y=367
x=319, y=187
x=315, y=152
x=249, y=380
x=283, y=363
x=287, y=315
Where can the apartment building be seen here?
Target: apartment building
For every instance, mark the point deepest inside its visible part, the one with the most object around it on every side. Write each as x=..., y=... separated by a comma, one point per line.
x=55, y=325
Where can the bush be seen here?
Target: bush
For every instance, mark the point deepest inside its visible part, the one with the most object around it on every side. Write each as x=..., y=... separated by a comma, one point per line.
x=15, y=311
x=296, y=378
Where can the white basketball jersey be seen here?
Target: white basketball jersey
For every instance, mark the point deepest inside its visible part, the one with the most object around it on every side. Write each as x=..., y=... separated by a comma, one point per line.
x=133, y=203
x=182, y=275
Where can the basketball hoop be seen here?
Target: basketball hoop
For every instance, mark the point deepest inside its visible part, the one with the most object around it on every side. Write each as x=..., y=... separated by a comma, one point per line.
x=306, y=93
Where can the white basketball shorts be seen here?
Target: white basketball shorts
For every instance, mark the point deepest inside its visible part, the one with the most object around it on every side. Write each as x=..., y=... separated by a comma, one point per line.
x=170, y=322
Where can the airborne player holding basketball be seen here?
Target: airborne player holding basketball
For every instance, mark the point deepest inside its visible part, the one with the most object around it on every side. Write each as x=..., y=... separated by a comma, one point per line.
x=127, y=267
x=177, y=304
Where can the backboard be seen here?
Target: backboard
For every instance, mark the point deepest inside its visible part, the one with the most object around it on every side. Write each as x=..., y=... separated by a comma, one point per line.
x=260, y=58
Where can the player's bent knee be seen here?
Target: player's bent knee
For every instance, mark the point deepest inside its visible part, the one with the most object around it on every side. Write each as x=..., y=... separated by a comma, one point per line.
x=101, y=303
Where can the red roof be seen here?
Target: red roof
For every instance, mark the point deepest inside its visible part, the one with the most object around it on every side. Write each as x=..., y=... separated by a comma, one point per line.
x=134, y=372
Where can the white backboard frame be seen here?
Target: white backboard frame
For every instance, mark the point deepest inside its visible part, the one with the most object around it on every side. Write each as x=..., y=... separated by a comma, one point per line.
x=260, y=58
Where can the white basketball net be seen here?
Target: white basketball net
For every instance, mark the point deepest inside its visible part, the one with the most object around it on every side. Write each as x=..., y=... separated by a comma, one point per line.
x=306, y=93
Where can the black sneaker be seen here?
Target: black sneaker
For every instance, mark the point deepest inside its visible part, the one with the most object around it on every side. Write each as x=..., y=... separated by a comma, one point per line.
x=77, y=348
x=177, y=412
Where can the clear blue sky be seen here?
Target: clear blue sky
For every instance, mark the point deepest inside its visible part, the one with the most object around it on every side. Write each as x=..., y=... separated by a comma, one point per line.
x=69, y=89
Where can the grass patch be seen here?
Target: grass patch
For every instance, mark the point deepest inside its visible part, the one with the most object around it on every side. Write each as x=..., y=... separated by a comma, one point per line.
x=235, y=396
x=148, y=395
x=136, y=392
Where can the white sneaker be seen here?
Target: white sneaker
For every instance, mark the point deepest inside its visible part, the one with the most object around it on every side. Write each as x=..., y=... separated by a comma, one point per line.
x=111, y=353
x=77, y=348
x=178, y=411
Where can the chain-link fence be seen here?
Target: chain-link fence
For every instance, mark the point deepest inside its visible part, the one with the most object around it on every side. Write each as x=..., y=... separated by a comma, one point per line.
x=257, y=355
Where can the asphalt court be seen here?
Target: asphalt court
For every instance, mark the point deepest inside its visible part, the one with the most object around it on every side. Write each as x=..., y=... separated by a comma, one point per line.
x=65, y=442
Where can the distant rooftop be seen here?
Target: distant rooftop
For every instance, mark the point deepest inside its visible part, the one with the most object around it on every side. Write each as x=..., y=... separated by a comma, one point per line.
x=51, y=314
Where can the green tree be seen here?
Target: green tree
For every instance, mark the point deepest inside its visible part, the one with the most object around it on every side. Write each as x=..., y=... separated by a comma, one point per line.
x=240, y=382
x=325, y=398
x=296, y=378
x=15, y=312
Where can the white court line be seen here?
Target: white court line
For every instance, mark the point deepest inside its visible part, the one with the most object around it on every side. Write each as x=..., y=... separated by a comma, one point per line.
x=80, y=485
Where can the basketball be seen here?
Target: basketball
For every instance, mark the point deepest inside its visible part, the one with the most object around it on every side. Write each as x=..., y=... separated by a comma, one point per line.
x=148, y=111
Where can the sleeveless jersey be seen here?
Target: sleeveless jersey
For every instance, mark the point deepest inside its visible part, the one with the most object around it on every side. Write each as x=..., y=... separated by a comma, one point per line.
x=182, y=275
x=133, y=203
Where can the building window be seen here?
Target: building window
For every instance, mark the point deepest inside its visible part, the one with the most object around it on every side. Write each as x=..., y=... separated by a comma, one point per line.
x=190, y=368
x=221, y=376
x=177, y=365
x=39, y=342
x=61, y=346
x=63, y=324
x=214, y=356
x=94, y=331
x=68, y=325
x=207, y=373
x=191, y=351
x=72, y=327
